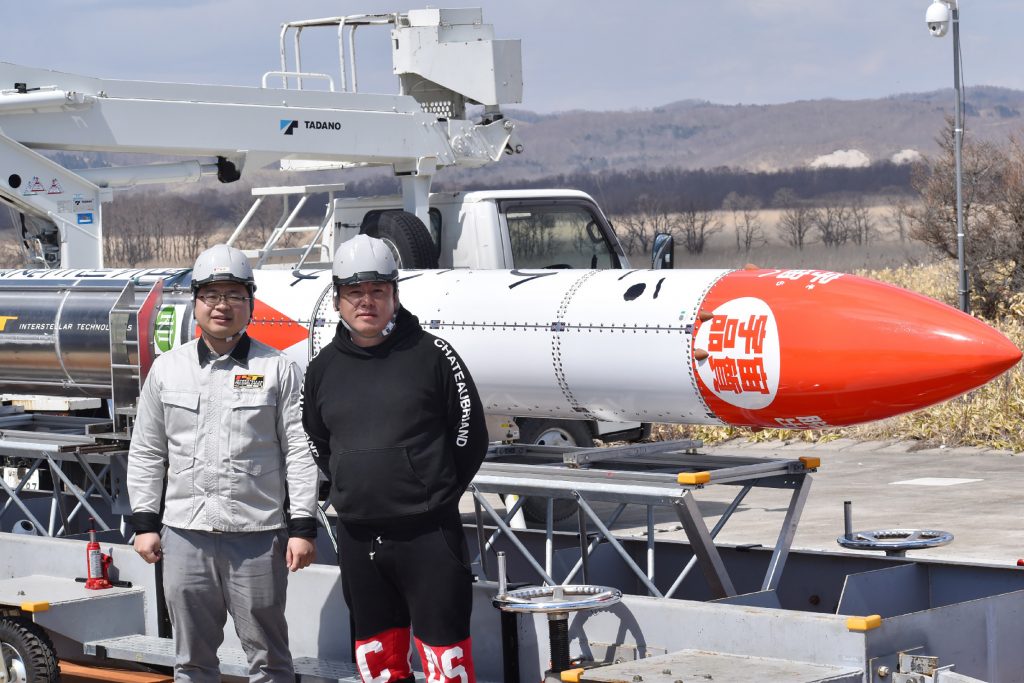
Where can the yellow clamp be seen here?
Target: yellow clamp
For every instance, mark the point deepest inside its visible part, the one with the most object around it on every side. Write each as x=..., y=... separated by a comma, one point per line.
x=862, y=624
x=810, y=463
x=693, y=478
x=572, y=675
x=35, y=606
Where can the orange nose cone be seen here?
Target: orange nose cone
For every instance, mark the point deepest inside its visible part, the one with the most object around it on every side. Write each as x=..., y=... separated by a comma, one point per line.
x=812, y=349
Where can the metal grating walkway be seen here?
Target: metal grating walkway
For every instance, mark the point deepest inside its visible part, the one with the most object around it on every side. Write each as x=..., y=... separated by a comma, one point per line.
x=160, y=652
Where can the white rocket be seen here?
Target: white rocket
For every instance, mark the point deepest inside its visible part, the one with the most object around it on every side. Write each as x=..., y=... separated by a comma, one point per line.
x=768, y=348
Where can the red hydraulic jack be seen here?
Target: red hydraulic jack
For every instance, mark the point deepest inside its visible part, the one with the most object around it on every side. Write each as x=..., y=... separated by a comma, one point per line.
x=96, y=564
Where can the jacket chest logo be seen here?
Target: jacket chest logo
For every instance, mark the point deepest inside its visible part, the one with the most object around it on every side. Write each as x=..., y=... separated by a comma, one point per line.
x=248, y=381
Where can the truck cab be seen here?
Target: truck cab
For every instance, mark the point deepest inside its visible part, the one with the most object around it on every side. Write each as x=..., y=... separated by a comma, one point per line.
x=502, y=229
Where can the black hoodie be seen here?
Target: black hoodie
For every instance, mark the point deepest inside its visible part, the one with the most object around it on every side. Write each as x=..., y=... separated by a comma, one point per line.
x=398, y=427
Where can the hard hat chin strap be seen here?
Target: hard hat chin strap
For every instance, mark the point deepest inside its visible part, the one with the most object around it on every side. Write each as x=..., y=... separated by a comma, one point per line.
x=227, y=340
x=388, y=329
x=390, y=326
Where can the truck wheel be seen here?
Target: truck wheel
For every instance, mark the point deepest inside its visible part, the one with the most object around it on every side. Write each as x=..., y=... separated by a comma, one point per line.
x=406, y=236
x=552, y=433
x=27, y=653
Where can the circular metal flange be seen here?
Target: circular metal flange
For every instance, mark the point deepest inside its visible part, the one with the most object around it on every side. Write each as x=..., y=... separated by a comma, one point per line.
x=551, y=599
x=895, y=540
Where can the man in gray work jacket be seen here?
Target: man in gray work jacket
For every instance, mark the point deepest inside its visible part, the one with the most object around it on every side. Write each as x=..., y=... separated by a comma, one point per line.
x=219, y=419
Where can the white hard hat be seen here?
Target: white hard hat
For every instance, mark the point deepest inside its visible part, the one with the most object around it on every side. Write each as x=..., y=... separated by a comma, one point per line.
x=364, y=259
x=221, y=263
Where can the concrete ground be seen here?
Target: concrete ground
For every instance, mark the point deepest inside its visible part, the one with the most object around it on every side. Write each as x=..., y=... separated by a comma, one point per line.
x=975, y=494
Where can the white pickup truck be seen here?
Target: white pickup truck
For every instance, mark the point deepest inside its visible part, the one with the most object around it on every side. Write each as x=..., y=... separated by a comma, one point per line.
x=493, y=229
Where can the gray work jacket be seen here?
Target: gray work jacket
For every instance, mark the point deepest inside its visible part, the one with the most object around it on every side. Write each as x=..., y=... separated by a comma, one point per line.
x=226, y=432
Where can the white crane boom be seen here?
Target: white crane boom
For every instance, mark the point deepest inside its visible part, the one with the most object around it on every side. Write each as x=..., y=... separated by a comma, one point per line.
x=444, y=59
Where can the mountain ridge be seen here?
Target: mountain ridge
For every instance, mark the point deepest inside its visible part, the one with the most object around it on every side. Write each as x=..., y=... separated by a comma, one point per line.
x=692, y=133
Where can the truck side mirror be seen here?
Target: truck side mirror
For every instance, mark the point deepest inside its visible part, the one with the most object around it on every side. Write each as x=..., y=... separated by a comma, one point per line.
x=663, y=253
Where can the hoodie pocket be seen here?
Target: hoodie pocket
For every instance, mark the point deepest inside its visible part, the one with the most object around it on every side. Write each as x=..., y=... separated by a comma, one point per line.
x=377, y=483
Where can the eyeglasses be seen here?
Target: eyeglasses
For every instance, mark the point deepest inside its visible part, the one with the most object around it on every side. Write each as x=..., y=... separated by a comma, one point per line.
x=215, y=299
x=377, y=294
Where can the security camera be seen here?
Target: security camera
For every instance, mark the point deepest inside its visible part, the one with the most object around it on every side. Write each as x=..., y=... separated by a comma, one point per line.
x=937, y=18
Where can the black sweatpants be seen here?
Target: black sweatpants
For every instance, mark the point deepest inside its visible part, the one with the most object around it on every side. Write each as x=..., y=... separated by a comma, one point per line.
x=398, y=575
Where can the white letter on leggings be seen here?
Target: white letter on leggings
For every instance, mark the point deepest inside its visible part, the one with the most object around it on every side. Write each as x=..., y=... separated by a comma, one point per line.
x=364, y=667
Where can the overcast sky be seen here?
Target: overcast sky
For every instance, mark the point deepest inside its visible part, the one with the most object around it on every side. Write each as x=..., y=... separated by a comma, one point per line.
x=577, y=54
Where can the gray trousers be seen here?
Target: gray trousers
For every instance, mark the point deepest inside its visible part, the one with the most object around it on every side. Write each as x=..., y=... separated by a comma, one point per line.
x=208, y=575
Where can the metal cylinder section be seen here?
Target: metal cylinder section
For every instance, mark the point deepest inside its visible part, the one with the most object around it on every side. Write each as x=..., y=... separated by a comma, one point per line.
x=55, y=335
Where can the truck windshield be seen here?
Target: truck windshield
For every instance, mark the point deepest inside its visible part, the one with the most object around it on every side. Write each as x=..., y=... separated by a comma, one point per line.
x=563, y=236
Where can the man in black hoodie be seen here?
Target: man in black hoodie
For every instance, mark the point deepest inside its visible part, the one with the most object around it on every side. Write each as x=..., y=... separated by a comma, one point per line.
x=399, y=432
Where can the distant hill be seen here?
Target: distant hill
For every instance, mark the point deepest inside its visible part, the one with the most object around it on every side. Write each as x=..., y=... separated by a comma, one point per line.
x=693, y=134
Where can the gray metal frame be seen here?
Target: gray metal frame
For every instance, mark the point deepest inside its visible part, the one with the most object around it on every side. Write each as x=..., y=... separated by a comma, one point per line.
x=553, y=473
x=97, y=461
x=549, y=472
x=917, y=602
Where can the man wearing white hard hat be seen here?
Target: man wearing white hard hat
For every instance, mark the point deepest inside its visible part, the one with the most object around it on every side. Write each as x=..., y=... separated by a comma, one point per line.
x=399, y=431
x=219, y=421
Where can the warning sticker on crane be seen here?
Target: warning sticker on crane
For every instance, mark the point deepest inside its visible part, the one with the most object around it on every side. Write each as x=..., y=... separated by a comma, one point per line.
x=33, y=187
x=55, y=187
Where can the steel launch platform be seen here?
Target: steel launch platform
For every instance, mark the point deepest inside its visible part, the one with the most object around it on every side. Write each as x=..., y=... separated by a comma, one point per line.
x=726, y=558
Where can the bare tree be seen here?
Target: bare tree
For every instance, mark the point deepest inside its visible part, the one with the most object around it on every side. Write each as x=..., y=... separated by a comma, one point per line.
x=859, y=225
x=697, y=225
x=746, y=221
x=899, y=219
x=796, y=222
x=639, y=228
x=129, y=231
x=831, y=223
x=196, y=228
x=993, y=212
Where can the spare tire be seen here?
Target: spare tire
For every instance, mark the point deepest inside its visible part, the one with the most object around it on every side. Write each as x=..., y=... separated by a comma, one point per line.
x=406, y=236
x=552, y=433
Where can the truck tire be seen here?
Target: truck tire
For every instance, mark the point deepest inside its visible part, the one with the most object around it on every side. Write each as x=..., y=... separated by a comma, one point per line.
x=405, y=234
x=27, y=652
x=552, y=433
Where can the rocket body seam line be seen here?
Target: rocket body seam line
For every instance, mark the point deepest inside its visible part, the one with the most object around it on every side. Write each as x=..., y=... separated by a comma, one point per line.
x=692, y=320
x=561, y=327
x=556, y=344
x=314, y=347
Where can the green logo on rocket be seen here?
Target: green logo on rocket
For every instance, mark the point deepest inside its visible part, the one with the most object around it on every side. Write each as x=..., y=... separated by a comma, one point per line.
x=166, y=324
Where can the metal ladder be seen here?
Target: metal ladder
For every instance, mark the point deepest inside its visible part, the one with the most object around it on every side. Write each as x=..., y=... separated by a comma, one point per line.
x=286, y=225
x=126, y=354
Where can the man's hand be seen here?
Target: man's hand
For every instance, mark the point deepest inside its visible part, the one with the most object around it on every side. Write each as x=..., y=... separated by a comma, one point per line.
x=148, y=546
x=301, y=553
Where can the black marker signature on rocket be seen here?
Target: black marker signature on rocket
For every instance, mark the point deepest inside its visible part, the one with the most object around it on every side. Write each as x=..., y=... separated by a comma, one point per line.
x=634, y=291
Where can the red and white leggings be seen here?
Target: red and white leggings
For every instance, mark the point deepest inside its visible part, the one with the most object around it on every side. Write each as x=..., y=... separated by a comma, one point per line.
x=386, y=659
x=417, y=576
